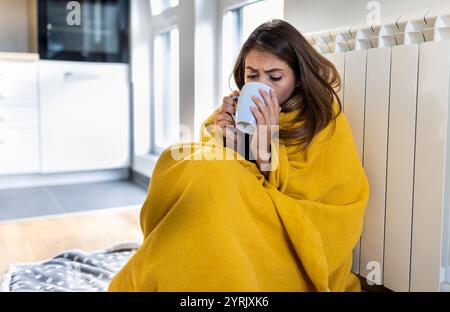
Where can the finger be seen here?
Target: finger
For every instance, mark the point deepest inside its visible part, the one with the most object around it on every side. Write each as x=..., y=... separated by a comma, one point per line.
x=262, y=108
x=225, y=117
x=232, y=117
x=227, y=101
x=231, y=109
x=270, y=116
x=266, y=97
x=275, y=102
x=223, y=130
x=272, y=109
x=222, y=125
x=258, y=115
x=269, y=105
x=273, y=96
x=228, y=109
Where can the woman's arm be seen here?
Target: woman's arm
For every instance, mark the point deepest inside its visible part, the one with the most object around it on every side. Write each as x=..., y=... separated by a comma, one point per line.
x=208, y=127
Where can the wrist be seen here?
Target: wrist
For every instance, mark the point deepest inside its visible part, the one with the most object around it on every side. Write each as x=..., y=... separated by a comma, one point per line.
x=264, y=164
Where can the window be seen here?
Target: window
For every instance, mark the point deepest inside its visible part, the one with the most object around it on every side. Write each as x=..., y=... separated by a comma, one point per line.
x=166, y=114
x=159, y=6
x=231, y=39
x=238, y=24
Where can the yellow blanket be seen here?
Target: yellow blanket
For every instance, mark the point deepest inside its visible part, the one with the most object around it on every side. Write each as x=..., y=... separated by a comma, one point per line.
x=221, y=226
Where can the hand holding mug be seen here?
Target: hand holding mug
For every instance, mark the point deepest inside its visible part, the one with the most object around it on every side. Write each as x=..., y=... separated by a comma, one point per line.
x=225, y=119
x=266, y=115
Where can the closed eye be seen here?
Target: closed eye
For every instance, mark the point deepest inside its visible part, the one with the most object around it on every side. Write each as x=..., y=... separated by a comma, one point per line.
x=273, y=78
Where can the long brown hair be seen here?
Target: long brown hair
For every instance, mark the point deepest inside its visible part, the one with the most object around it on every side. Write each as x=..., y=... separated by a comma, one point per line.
x=317, y=80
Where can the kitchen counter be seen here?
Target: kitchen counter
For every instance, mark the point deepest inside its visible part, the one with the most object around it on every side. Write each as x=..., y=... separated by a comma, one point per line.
x=19, y=56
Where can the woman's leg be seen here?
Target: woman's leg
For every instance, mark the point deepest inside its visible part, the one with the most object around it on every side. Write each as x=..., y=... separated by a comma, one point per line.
x=209, y=225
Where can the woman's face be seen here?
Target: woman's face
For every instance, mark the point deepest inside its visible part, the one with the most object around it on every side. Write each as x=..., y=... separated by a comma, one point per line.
x=269, y=69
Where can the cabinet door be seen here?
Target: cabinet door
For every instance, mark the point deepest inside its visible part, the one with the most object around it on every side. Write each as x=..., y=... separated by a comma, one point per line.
x=18, y=94
x=18, y=83
x=84, y=116
x=19, y=151
x=16, y=71
x=18, y=118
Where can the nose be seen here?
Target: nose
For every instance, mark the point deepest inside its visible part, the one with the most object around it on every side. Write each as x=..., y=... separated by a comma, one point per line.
x=265, y=80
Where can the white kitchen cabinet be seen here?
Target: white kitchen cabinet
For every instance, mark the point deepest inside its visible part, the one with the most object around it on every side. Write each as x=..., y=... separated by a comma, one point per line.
x=18, y=93
x=84, y=116
x=19, y=151
x=18, y=117
x=18, y=80
x=19, y=130
x=18, y=68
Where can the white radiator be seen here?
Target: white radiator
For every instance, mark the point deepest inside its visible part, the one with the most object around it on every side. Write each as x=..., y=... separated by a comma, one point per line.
x=396, y=96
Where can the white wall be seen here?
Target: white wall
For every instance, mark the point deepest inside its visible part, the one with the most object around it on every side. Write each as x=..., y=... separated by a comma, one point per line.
x=313, y=15
x=17, y=26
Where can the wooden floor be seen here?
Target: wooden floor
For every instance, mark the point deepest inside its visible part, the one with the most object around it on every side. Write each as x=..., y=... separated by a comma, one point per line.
x=40, y=239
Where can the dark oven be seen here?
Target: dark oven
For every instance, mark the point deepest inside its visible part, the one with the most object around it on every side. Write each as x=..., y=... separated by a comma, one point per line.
x=85, y=30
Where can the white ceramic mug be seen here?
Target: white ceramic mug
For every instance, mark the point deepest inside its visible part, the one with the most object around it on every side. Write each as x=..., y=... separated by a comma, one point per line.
x=245, y=120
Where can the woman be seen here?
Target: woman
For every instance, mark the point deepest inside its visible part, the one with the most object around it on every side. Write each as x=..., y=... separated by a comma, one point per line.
x=227, y=225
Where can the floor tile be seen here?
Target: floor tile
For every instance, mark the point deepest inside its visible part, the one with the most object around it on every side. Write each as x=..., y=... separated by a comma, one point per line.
x=92, y=196
x=26, y=203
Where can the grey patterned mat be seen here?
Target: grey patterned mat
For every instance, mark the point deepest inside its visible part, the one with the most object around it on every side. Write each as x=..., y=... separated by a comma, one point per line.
x=72, y=270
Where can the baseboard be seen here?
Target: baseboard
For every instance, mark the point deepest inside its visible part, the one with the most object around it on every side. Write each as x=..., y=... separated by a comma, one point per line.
x=38, y=180
x=140, y=179
x=371, y=288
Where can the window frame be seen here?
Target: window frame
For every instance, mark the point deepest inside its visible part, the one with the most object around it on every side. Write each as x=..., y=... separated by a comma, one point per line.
x=166, y=6
x=154, y=148
x=159, y=24
x=224, y=7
